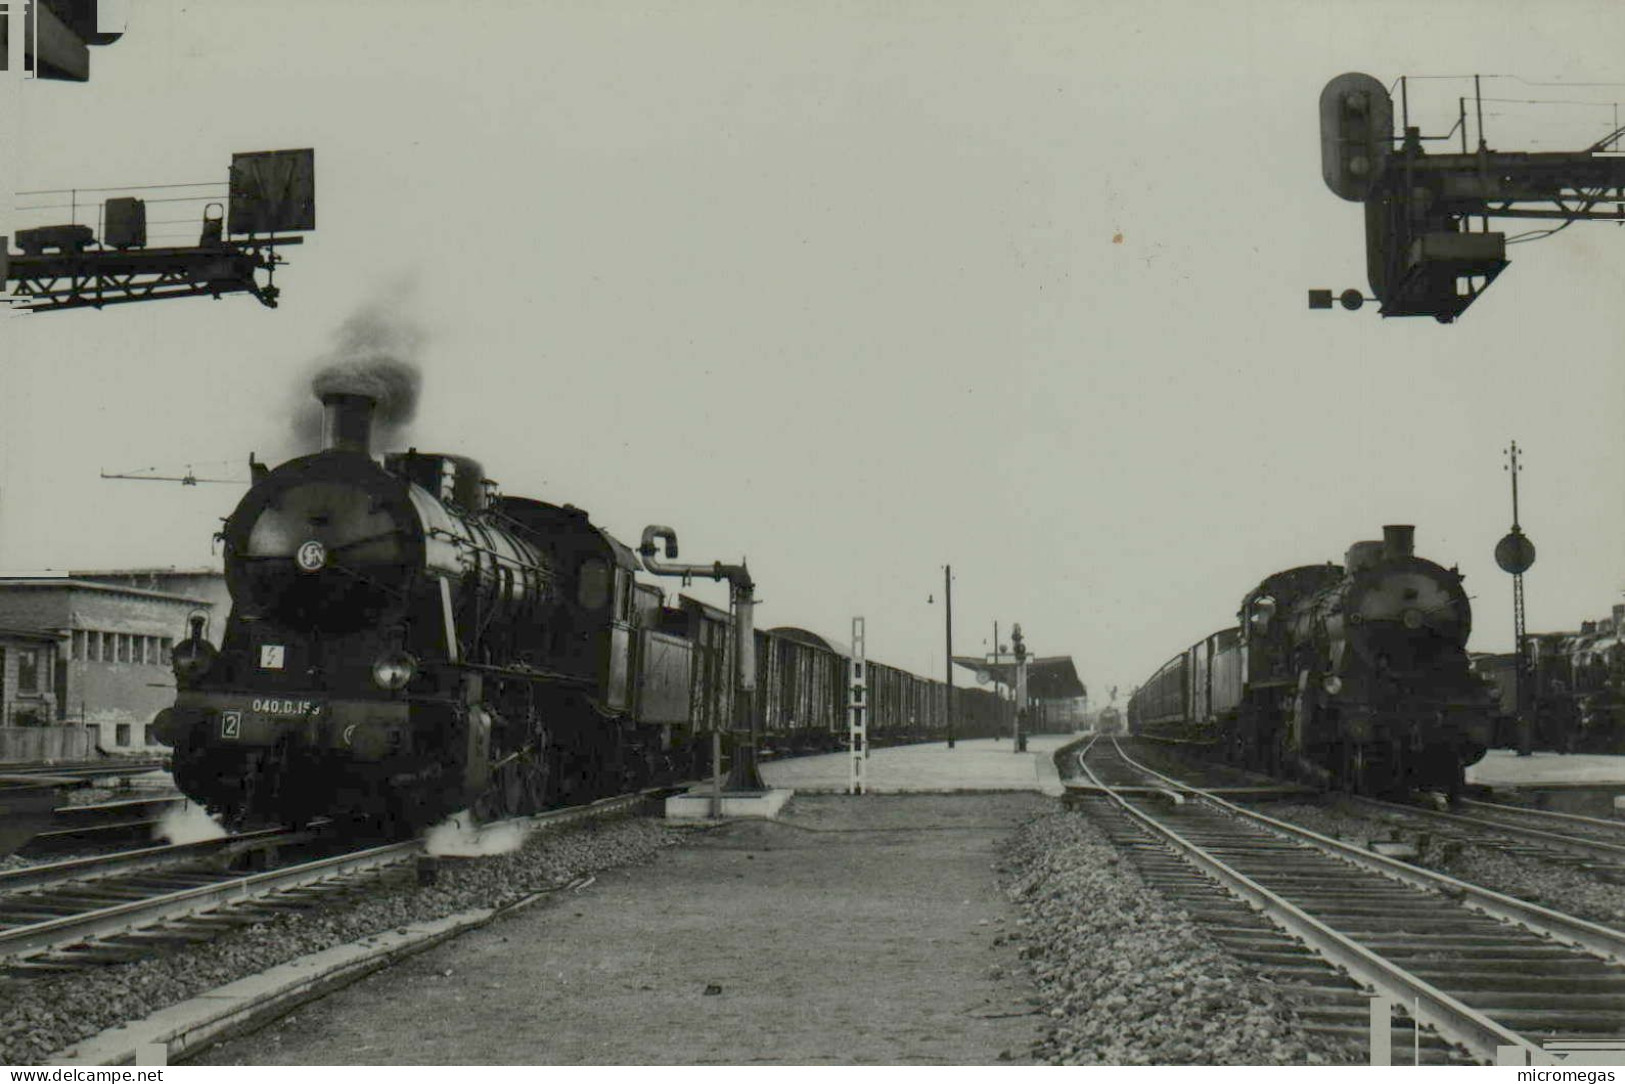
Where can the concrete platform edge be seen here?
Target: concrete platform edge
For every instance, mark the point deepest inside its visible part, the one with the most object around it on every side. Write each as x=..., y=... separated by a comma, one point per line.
x=883, y=788
x=243, y=1005
x=696, y=805
x=1049, y=776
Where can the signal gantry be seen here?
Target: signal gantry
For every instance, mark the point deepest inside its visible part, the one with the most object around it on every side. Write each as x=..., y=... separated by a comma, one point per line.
x=271, y=198
x=1423, y=255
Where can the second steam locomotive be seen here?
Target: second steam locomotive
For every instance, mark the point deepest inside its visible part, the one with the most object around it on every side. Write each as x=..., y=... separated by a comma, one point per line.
x=1354, y=676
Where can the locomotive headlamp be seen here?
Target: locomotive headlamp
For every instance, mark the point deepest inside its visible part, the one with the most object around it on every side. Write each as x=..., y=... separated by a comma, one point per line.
x=393, y=670
x=191, y=659
x=1332, y=684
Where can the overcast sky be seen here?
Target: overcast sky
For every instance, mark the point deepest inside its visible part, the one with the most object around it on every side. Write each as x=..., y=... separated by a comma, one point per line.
x=856, y=290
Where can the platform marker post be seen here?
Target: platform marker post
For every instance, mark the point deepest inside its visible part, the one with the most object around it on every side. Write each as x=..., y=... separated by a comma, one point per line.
x=1382, y=1034
x=857, y=711
x=716, y=774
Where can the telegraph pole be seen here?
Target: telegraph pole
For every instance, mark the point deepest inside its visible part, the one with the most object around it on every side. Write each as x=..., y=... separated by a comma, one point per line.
x=1515, y=554
x=948, y=637
x=1019, y=646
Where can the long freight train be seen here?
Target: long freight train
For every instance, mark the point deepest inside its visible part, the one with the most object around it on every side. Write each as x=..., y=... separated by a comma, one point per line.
x=1354, y=676
x=404, y=643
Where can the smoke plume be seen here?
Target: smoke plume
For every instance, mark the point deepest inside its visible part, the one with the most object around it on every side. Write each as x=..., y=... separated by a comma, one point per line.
x=376, y=352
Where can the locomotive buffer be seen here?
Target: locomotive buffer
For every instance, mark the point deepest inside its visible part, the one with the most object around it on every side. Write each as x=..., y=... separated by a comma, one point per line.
x=1423, y=257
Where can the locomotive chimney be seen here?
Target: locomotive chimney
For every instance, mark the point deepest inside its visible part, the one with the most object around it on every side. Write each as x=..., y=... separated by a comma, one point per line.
x=347, y=422
x=1398, y=541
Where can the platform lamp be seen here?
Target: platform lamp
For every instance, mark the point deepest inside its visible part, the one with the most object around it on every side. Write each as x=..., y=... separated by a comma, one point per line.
x=1019, y=645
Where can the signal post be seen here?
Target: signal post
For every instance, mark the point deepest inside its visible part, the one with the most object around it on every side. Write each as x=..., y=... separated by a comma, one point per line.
x=1423, y=256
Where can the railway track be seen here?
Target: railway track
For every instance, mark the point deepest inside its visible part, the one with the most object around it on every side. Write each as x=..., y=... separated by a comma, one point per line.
x=30, y=795
x=1585, y=842
x=94, y=769
x=114, y=909
x=122, y=863
x=119, y=821
x=1572, y=824
x=1335, y=922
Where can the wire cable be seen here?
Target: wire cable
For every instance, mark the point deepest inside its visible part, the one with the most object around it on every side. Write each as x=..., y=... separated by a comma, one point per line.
x=124, y=188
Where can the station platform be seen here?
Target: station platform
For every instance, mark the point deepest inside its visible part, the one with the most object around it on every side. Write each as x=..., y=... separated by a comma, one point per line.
x=1505, y=768
x=979, y=764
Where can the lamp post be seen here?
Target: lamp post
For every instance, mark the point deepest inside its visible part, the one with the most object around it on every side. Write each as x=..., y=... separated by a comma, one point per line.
x=948, y=640
x=1020, y=648
x=948, y=648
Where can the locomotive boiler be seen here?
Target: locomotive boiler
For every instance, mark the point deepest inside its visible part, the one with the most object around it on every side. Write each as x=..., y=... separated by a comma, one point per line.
x=404, y=644
x=1354, y=676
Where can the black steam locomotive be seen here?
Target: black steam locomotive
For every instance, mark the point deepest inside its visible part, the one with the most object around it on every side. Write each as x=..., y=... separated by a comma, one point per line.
x=1353, y=676
x=404, y=643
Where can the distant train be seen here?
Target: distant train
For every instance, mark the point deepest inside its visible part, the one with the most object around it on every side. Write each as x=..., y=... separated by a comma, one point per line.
x=1354, y=676
x=1109, y=721
x=1576, y=688
x=404, y=643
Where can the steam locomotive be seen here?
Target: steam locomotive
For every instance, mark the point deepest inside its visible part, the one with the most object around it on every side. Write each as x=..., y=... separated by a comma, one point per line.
x=1574, y=687
x=405, y=643
x=1353, y=676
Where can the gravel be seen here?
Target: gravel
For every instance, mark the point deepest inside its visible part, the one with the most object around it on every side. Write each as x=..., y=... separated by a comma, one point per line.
x=1561, y=887
x=1129, y=979
x=38, y=1017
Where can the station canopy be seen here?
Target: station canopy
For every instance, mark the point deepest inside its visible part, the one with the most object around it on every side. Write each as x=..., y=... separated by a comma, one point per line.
x=1050, y=677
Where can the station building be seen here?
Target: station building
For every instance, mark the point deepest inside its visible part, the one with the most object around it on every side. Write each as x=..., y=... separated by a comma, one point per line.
x=1056, y=695
x=89, y=652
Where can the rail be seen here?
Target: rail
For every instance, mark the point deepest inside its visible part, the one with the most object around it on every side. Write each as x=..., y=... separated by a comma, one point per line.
x=97, y=867
x=1614, y=852
x=1605, y=942
x=20, y=943
x=1551, y=816
x=1452, y=1018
